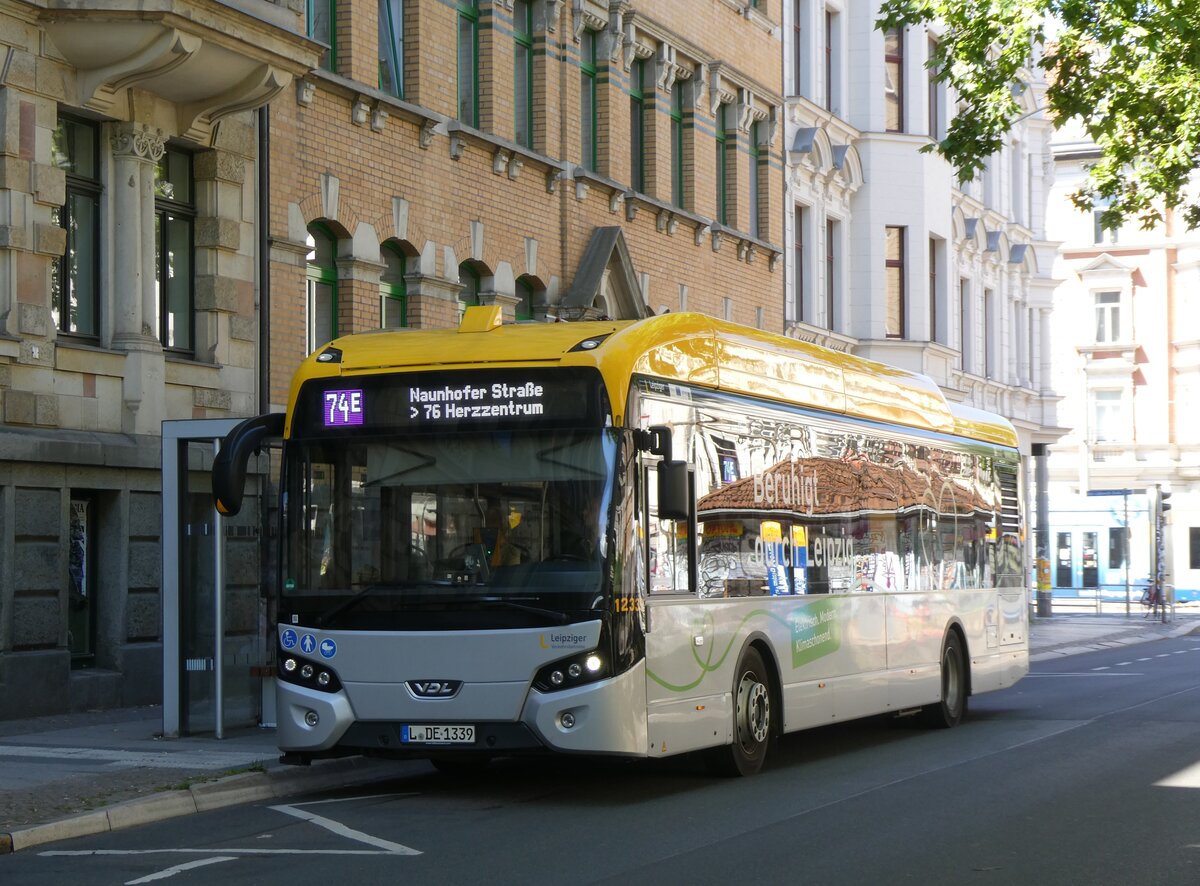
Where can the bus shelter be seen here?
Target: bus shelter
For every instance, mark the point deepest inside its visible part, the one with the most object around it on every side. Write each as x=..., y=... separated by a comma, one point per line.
x=216, y=662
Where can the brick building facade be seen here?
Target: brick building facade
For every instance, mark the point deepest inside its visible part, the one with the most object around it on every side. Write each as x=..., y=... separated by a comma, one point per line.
x=128, y=291
x=558, y=159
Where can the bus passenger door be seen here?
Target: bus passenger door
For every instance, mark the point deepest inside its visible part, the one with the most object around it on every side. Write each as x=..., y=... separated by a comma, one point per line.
x=687, y=706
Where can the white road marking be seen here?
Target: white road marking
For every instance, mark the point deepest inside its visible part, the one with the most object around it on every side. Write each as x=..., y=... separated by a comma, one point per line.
x=348, y=799
x=1088, y=674
x=1188, y=777
x=81, y=852
x=179, y=868
x=350, y=833
x=1104, y=668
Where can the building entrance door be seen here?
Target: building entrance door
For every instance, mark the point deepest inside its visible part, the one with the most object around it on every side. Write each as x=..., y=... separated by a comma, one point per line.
x=216, y=668
x=1063, y=577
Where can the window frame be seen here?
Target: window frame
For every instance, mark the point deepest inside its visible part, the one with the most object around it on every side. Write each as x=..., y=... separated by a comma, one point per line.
x=831, y=34
x=523, y=310
x=1100, y=233
x=523, y=64
x=319, y=275
x=167, y=210
x=799, y=219
x=797, y=36
x=895, y=264
x=471, y=280
x=328, y=60
x=754, y=184
x=722, y=171
x=391, y=47
x=467, y=87
x=934, y=252
x=832, y=232
x=676, y=114
x=588, y=101
x=392, y=286
x=1106, y=408
x=637, y=125
x=935, y=94
x=893, y=62
x=89, y=188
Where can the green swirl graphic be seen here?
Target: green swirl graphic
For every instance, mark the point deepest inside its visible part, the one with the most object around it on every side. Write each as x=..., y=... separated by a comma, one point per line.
x=707, y=665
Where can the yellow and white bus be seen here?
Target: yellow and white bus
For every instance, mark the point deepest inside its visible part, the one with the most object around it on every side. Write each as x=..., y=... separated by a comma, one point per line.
x=640, y=538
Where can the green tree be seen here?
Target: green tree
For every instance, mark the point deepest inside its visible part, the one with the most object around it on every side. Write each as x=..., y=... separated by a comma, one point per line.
x=1128, y=71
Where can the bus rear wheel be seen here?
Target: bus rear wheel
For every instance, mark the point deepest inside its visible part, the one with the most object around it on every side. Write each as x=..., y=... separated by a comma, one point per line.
x=949, y=712
x=751, y=719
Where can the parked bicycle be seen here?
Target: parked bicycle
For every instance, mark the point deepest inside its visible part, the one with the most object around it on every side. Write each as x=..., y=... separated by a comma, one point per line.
x=1151, y=600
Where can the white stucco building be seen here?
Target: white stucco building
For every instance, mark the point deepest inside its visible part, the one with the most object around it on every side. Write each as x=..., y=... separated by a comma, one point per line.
x=887, y=255
x=1126, y=362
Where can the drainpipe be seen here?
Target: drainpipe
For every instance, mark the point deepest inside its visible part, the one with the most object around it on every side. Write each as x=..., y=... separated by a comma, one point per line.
x=264, y=260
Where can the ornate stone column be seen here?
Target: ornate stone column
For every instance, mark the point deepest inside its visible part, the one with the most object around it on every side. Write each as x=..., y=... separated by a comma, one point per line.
x=137, y=148
x=136, y=151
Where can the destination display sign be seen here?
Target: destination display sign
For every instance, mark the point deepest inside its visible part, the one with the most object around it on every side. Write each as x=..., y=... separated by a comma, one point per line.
x=468, y=401
x=429, y=401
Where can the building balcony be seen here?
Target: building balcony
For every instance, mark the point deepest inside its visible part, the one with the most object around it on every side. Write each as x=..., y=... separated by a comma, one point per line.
x=207, y=58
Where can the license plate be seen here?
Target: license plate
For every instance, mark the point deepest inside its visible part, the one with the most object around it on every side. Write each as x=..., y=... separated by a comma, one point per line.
x=438, y=735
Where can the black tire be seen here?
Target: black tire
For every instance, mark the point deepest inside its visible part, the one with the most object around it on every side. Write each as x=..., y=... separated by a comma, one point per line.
x=948, y=712
x=752, y=724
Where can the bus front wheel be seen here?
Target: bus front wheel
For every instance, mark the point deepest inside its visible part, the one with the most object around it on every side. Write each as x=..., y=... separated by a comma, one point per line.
x=751, y=719
x=952, y=708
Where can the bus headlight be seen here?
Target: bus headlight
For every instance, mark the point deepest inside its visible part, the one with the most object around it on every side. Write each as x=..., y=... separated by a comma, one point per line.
x=567, y=673
x=298, y=671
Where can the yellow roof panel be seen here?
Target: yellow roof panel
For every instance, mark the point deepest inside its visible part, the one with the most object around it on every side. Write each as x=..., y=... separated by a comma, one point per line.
x=687, y=348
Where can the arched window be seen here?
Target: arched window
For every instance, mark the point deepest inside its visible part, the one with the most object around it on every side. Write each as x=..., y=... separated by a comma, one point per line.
x=468, y=296
x=322, y=285
x=393, y=297
x=525, y=296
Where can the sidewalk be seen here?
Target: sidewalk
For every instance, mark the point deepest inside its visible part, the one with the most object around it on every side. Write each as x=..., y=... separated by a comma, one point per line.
x=79, y=774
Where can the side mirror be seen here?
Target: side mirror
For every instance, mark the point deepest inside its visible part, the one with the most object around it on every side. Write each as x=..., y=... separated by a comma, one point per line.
x=229, y=467
x=673, y=485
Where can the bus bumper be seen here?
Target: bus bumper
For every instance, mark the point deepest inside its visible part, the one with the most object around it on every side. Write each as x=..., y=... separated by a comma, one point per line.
x=608, y=717
x=296, y=708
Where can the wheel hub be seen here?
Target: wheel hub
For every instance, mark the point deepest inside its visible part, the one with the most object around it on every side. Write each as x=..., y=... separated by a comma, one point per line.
x=754, y=712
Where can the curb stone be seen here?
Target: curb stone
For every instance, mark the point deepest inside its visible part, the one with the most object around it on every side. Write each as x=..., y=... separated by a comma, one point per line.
x=245, y=787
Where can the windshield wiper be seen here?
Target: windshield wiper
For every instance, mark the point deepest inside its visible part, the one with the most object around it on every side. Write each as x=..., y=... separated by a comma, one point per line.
x=561, y=617
x=342, y=605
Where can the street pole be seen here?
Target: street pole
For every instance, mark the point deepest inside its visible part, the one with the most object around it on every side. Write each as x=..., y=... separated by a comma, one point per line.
x=1125, y=554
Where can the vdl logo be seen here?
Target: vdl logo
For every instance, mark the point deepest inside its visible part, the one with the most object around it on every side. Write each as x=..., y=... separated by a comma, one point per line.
x=434, y=688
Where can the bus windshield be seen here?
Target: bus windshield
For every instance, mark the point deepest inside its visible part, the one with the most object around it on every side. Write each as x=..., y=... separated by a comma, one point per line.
x=446, y=531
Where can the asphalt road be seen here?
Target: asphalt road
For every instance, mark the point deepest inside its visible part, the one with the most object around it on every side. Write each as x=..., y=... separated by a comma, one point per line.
x=1086, y=772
